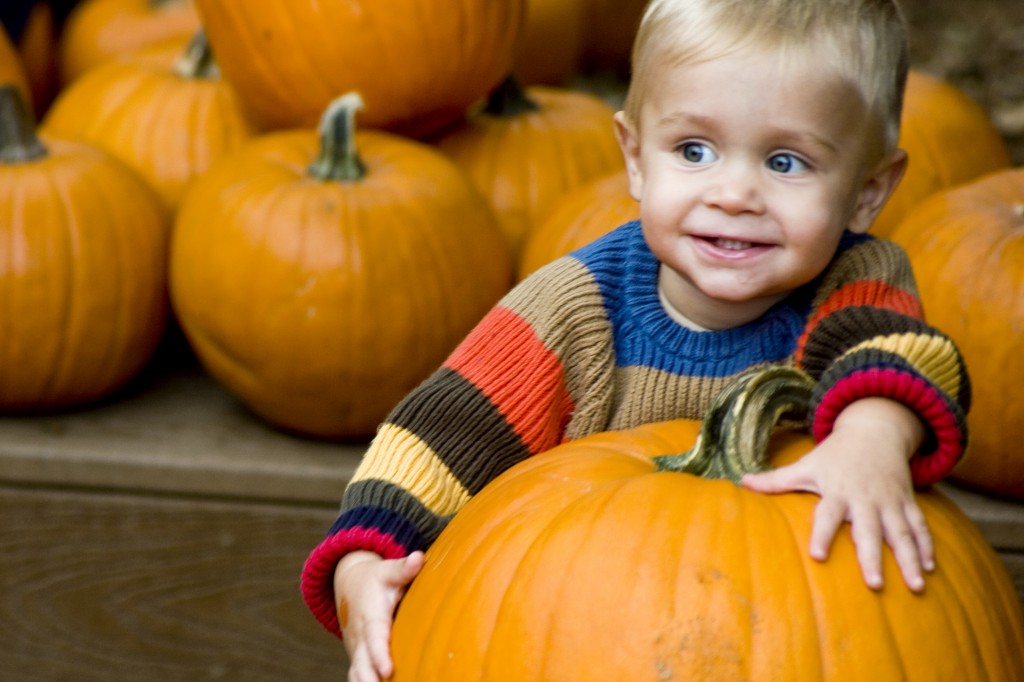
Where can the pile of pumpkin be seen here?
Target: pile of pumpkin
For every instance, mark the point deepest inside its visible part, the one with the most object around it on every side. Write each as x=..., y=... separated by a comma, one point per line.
x=318, y=272
x=327, y=196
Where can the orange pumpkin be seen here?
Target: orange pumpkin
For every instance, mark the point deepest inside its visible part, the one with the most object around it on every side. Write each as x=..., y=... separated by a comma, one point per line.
x=321, y=294
x=577, y=219
x=164, y=111
x=597, y=561
x=552, y=43
x=82, y=270
x=950, y=140
x=527, y=148
x=418, y=64
x=11, y=69
x=967, y=248
x=97, y=30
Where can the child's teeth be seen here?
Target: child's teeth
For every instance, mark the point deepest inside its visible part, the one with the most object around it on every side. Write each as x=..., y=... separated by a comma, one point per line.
x=733, y=244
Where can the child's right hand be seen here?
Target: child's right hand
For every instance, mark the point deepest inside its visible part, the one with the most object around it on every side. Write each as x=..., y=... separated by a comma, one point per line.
x=367, y=590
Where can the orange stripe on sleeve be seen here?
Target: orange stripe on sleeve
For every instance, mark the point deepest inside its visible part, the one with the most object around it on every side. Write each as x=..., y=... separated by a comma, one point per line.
x=864, y=292
x=507, y=362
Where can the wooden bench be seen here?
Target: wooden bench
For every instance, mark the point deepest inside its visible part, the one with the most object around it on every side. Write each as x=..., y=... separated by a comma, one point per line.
x=161, y=535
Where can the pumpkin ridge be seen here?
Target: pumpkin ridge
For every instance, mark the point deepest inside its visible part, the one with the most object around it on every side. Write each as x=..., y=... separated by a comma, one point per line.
x=66, y=190
x=262, y=53
x=806, y=583
x=595, y=500
x=124, y=262
x=963, y=620
x=954, y=562
x=114, y=271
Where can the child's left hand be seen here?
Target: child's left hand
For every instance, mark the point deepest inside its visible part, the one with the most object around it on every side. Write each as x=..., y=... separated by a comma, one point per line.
x=860, y=471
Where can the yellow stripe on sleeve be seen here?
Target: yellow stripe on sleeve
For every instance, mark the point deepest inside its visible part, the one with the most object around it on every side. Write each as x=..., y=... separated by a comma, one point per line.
x=399, y=457
x=933, y=356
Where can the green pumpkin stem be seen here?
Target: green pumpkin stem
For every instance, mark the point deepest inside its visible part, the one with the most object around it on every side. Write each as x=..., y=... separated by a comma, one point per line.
x=197, y=60
x=338, y=159
x=509, y=99
x=18, y=140
x=734, y=435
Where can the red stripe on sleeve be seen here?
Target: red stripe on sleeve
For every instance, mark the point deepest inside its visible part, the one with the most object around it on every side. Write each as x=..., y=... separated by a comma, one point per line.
x=507, y=362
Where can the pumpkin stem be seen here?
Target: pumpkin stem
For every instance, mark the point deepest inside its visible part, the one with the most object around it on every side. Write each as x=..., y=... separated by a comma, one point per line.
x=734, y=435
x=18, y=139
x=338, y=159
x=197, y=60
x=509, y=99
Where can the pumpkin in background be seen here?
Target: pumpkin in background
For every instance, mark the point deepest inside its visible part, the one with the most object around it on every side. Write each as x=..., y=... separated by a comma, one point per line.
x=418, y=64
x=164, y=111
x=82, y=268
x=950, y=140
x=552, y=43
x=966, y=245
x=321, y=294
x=97, y=30
x=577, y=219
x=37, y=47
x=528, y=147
x=12, y=71
x=598, y=560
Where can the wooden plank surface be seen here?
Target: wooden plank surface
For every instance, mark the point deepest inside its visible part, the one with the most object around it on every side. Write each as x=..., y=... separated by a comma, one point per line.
x=176, y=432
x=124, y=587
x=160, y=536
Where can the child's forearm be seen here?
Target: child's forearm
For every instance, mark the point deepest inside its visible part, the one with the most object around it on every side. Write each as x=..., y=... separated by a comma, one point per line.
x=875, y=414
x=347, y=562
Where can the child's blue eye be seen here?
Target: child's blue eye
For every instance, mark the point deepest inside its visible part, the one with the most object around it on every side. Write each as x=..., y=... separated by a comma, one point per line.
x=786, y=163
x=696, y=152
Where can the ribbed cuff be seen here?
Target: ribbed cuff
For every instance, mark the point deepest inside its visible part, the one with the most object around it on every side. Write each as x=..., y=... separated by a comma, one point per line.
x=948, y=433
x=318, y=571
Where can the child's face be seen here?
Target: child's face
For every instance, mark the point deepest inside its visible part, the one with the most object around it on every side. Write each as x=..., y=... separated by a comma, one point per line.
x=748, y=168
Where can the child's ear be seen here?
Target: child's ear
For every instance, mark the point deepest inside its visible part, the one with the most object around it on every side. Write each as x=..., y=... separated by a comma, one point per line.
x=629, y=143
x=877, y=189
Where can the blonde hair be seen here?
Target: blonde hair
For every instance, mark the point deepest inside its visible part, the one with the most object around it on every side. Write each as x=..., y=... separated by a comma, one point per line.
x=865, y=41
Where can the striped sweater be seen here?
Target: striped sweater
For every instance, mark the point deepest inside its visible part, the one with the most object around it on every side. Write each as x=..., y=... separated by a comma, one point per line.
x=584, y=345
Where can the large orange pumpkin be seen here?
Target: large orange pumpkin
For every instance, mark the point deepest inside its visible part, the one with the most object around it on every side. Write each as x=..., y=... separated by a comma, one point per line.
x=595, y=561
x=164, y=111
x=321, y=294
x=83, y=251
x=418, y=64
x=967, y=248
x=578, y=218
x=950, y=140
x=98, y=30
x=528, y=147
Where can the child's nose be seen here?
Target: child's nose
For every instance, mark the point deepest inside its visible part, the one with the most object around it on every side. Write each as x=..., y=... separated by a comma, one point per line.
x=736, y=189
